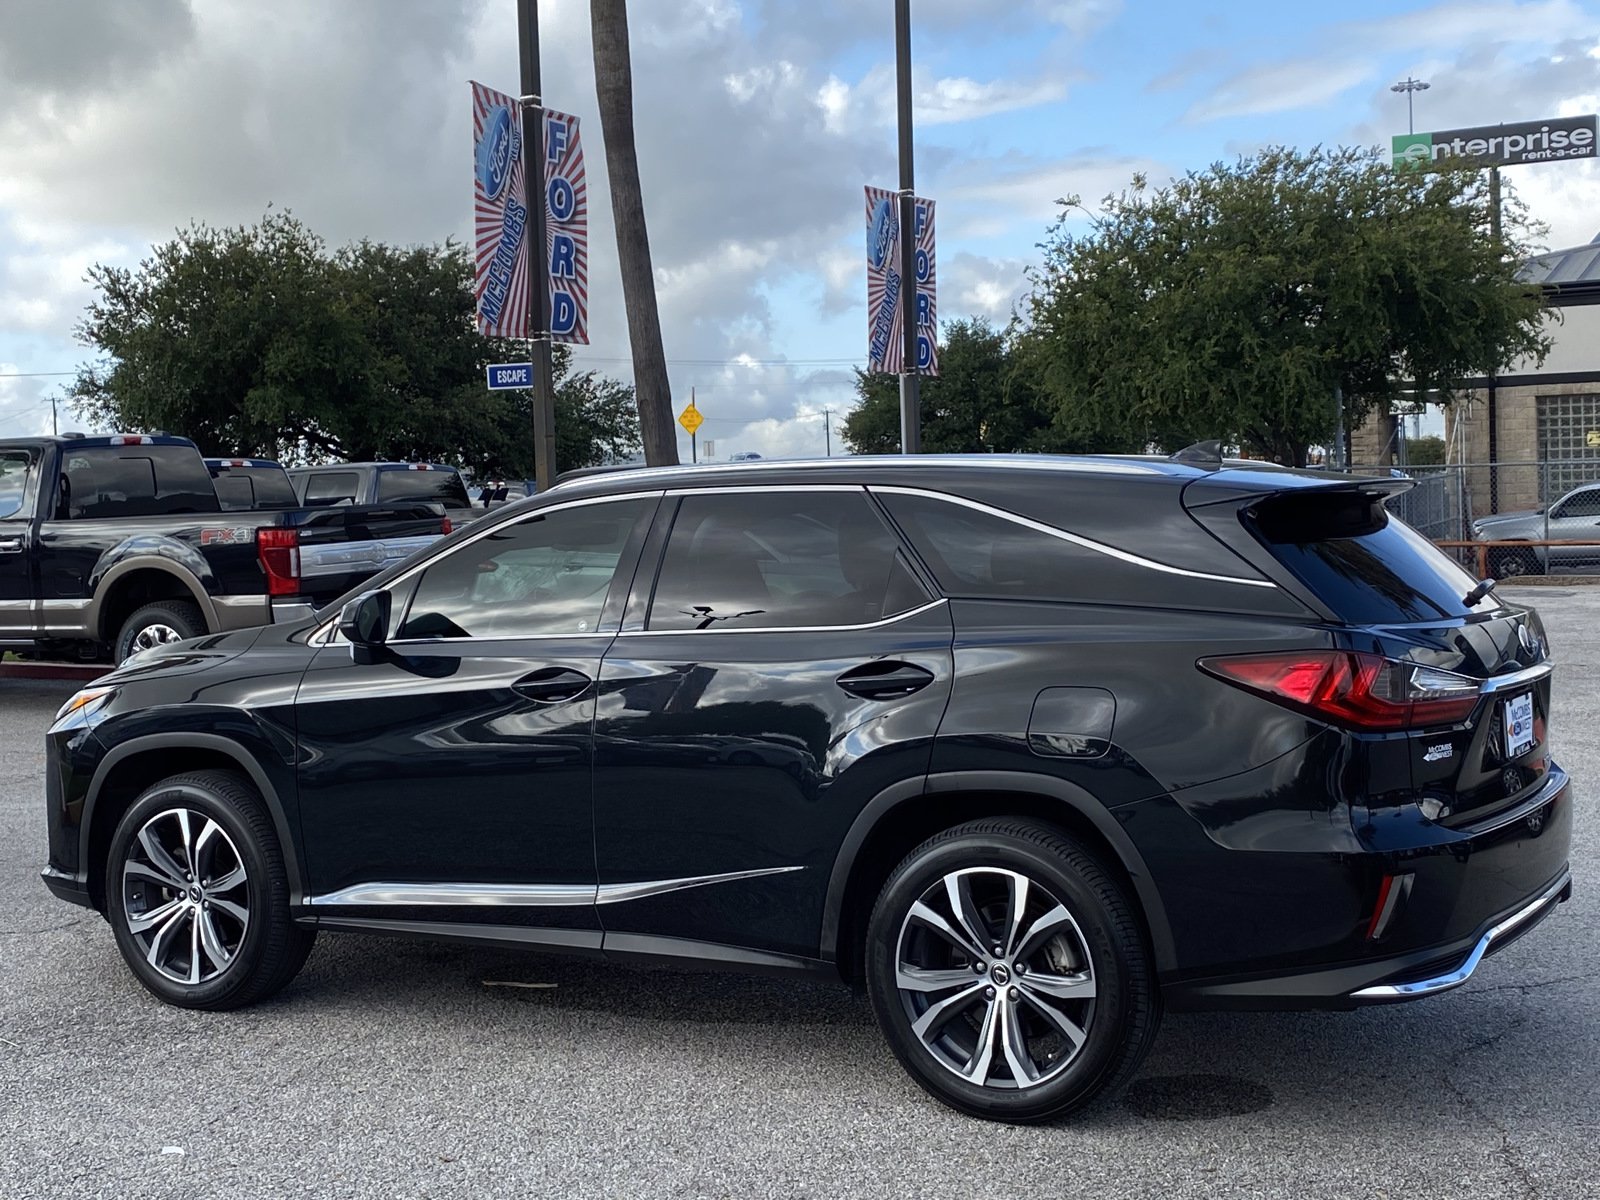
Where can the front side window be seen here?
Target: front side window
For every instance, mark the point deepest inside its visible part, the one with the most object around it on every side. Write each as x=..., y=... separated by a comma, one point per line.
x=16, y=467
x=1580, y=504
x=785, y=559
x=546, y=574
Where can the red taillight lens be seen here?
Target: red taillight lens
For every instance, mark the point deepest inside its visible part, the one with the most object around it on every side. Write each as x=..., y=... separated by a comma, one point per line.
x=1362, y=691
x=446, y=526
x=279, y=552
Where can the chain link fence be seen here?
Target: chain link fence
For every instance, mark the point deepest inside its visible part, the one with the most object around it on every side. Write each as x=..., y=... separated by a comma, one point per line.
x=1509, y=518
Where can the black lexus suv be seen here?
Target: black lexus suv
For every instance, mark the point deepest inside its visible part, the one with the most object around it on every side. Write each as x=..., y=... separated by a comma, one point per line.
x=1030, y=747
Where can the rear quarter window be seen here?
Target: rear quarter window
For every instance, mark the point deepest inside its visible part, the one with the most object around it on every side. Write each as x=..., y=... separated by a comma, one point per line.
x=1360, y=560
x=16, y=466
x=137, y=481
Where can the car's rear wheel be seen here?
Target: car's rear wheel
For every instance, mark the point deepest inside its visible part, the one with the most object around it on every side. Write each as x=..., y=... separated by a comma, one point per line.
x=159, y=624
x=1009, y=973
x=198, y=896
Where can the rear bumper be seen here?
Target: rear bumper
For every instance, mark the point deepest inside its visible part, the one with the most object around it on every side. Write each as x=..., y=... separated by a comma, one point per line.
x=66, y=887
x=1463, y=894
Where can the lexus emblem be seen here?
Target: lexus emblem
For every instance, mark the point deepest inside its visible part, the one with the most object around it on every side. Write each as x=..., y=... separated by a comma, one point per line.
x=1529, y=640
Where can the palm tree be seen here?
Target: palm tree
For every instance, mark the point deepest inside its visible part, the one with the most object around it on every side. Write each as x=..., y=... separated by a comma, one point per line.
x=613, y=82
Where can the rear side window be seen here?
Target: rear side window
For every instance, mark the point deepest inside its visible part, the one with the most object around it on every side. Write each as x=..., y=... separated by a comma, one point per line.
x=136, y=481
x=1365, y=564
x=788, y=559
x=324, y=488
x=254, y=487
x=981, y=554
x=16, y=467
x=442, y=487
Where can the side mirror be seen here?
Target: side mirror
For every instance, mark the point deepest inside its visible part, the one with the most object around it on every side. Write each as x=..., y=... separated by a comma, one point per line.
x=364, y=623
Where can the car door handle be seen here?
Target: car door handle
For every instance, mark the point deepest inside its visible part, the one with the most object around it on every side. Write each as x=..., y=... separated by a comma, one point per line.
x=550, y=685
x=884, y=680
x=11, y=545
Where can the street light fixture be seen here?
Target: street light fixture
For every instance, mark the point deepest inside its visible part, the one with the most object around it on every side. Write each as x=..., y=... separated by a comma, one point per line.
x=1409, y=86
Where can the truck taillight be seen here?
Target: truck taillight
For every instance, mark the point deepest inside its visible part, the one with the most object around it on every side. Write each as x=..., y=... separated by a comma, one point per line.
x=446, y=526
x=1363, y=691
x=279, y=552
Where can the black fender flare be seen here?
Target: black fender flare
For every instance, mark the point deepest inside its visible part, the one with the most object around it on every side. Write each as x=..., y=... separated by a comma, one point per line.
x=1022, y=783
x=177, y=742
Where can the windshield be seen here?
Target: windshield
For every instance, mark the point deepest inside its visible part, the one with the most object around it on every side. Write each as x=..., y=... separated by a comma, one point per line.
x=15, y=468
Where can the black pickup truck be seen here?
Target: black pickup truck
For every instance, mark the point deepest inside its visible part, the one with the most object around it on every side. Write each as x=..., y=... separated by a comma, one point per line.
x=112, y=544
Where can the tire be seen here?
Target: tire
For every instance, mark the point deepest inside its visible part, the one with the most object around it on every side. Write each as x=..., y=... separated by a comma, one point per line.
x=1509, y=564
x=225, y=942
x=159, y=624
x=1077, y=930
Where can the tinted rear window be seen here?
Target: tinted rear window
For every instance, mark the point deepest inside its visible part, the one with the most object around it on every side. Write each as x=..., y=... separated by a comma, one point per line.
x=402, y=483
x=1367, y=565
x=324, y=488
x=254, y=487
x=136, y=481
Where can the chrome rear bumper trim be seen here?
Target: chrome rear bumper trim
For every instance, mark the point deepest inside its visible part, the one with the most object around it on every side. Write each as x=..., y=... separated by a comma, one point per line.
x=1443, y=983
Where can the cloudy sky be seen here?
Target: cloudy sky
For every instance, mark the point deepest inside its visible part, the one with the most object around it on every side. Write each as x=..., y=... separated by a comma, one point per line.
x=758, y=123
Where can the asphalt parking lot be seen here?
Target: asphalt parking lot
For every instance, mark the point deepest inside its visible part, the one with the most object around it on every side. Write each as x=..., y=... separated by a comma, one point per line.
x=390, y=1069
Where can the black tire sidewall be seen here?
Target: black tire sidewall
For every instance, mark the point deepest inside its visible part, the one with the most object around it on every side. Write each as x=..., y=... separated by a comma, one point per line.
x=1102, y=1049
x=259, y=887
x=183, y=616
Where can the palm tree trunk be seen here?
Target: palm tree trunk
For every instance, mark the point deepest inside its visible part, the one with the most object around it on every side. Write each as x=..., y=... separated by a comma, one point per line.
x=613, y=82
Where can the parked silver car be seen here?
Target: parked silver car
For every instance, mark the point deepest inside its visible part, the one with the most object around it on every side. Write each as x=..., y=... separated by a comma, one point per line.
x=1574, y=517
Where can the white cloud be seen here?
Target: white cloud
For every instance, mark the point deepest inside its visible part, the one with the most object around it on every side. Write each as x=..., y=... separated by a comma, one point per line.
x=1276, y=87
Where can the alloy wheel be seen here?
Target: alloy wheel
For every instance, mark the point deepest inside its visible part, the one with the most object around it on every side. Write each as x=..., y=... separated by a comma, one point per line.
x=152, y=636
x=995, y=977
x=185, y=895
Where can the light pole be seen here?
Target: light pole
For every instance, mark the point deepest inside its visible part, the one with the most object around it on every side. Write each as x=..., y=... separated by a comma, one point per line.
x=1410, y=86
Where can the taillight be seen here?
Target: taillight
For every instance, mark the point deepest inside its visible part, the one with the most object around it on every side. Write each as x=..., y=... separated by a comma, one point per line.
x=445, y=526
x=279, y=551
x=1362, y=691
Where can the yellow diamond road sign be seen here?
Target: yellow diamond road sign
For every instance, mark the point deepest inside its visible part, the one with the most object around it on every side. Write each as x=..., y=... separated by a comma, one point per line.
x=690, y=418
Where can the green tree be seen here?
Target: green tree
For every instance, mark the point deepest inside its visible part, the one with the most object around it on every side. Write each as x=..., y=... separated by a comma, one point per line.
x=261, y=341
x=1427, y=451
x=1238, y=301
x=978, y=402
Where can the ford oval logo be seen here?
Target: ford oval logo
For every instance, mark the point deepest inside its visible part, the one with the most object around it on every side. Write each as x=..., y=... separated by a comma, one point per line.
x=495, y=152
x=880, y=239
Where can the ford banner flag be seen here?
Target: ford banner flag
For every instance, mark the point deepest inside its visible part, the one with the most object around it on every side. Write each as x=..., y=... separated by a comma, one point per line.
x=500, y=215
x=885, y=341
x=566, y=214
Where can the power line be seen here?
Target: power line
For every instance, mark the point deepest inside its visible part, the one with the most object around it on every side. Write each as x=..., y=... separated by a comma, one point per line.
x=34, y=374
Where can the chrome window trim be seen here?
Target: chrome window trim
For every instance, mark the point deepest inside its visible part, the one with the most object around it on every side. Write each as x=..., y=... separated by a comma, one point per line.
x=517, y=895
x=1132, y=559
x=878, y=624
x=1504, y=683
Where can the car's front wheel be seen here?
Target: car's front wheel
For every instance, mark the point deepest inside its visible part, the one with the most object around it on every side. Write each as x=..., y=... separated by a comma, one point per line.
x=198, y=897
x=1009, y=973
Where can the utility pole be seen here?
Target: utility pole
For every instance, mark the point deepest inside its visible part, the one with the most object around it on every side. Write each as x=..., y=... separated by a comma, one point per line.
x=544, y=408
x=1410, y=87
x=1494, y=414
x=827, y=429
x=55, y=424
x=910, y=392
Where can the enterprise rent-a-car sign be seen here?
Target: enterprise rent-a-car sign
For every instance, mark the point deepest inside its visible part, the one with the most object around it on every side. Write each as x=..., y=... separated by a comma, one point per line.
x=1555, y=140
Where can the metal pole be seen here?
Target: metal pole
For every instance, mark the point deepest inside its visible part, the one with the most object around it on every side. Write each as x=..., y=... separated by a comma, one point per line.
x=910, y=392
x=544, y=408
x=1411, y=117
x=1494, y=407
x=1339, y=463
x=694, y=447
x=827, y=429
x=55, y=425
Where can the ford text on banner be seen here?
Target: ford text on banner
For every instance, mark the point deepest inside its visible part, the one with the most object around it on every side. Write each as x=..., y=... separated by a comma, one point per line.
x=500, y=216
x=885, y=342
x=566, y=209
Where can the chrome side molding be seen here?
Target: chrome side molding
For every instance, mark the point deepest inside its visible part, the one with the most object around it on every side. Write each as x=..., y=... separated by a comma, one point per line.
x=516, y=895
